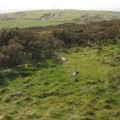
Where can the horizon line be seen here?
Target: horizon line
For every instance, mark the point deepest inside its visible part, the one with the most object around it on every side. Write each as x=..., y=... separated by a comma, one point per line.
x=17, y=10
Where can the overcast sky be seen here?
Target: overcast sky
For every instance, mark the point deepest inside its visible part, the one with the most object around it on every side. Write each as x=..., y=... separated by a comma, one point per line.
x=19, y=5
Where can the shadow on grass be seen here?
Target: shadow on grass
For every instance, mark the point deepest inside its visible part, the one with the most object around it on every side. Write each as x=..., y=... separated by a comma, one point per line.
x=10, y=74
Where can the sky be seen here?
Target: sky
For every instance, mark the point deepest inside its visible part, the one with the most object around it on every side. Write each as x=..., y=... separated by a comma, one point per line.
x=24, y=5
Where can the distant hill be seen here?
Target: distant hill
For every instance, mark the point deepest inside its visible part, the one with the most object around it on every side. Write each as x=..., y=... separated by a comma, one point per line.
x=54, y=17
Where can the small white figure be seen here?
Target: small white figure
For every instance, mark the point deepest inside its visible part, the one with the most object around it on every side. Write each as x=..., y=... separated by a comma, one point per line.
x=74, y=74
x=64, y=59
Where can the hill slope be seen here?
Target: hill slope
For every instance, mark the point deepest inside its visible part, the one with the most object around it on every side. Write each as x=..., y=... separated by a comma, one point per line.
x=53, y=17
x=52, y=94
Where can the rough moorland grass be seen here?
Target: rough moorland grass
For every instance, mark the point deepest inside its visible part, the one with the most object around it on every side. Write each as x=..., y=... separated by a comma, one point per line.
x=52, y=94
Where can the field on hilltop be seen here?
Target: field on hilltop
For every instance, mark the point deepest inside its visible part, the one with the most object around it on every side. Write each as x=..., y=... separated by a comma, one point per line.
x=53, y=17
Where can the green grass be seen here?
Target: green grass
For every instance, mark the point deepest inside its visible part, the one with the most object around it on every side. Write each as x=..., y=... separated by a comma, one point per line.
x=52, y=94
x=27, y=23
x=32, y=18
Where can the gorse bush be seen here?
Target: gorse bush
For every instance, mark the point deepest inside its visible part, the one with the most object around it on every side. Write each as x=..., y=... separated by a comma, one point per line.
x=2, y=79
x=23, y=46
x=20, y=46
x=90, y=34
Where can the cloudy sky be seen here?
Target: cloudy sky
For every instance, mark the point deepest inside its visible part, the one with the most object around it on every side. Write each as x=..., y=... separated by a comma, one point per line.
x=19, y=5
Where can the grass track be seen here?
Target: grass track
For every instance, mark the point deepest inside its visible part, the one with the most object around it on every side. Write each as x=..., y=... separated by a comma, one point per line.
x=52, y=94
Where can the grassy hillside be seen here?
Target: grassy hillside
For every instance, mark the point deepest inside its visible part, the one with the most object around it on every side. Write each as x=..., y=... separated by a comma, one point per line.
x=53, y=17
x=52, y=94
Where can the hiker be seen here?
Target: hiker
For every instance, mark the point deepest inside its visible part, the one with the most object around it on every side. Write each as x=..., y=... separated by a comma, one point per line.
x=74, y=74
